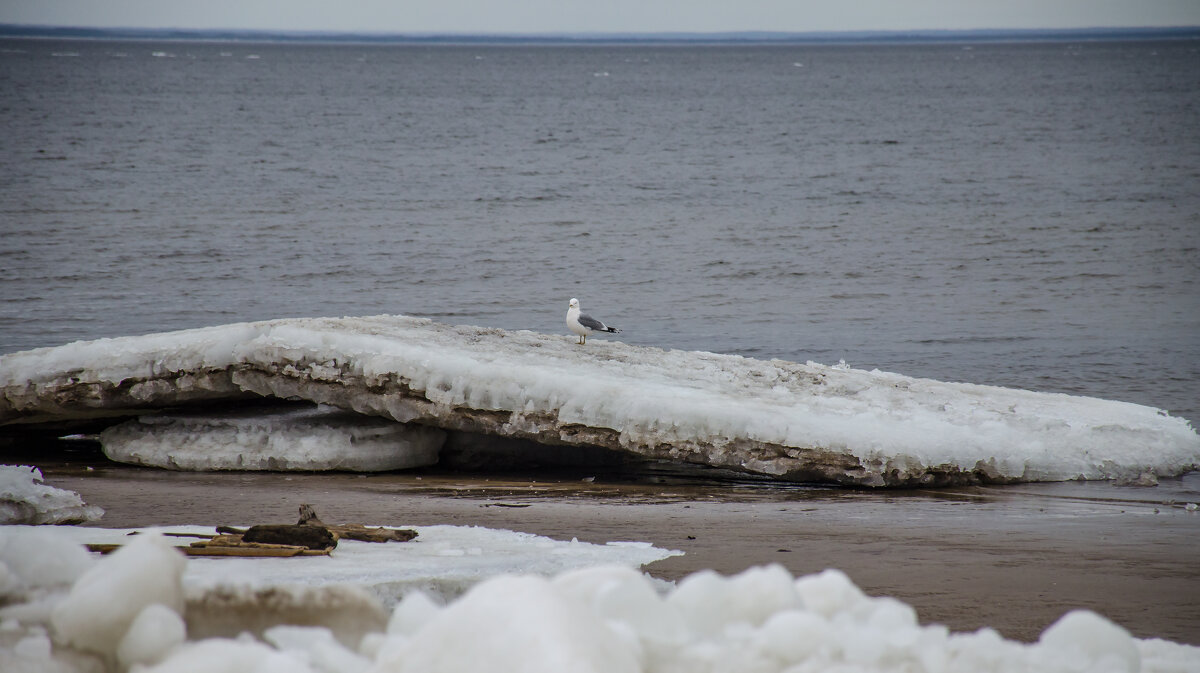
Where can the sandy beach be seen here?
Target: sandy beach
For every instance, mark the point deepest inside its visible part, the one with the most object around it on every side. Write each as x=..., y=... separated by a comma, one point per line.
x=1013, y=558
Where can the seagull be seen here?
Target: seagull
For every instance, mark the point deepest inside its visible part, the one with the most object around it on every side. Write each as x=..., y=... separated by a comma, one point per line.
x=583, y=325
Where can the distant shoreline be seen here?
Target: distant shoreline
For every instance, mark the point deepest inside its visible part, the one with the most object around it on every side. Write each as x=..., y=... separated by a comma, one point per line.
x=729, y=38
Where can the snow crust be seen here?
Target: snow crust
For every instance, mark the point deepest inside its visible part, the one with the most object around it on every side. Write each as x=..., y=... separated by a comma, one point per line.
x=24, y=499
x=605, y=618
x=322, y=438
x=791, y=420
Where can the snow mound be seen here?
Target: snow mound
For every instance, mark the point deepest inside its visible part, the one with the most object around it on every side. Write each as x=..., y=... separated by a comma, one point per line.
x=24, y=499
x=322, y=438
x=792, y=421
x=602, y=618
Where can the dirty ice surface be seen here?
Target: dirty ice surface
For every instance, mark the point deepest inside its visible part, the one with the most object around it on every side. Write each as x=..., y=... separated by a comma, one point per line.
x=128, y=612
x=706, y=405
x=24, y=499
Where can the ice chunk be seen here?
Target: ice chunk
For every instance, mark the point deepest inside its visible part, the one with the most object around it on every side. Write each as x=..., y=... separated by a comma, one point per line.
x=795, y=635
x=622, y=594
x=1163, y=656
x=411, y=613
x=829, y=592
x=319, y=438
x=322, y=651
x=1085, y=638
x=38, y=558
x=223, y=655
x=710, y=601
x=153, y=633
x=102, y=604
x=518, y=625
x=25, y=500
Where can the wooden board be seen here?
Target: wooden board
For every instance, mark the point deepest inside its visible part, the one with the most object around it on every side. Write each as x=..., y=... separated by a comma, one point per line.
x=233, y=551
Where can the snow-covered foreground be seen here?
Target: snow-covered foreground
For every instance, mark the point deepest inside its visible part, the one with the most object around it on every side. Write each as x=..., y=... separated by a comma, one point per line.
x=130, y=611
x=793, y=421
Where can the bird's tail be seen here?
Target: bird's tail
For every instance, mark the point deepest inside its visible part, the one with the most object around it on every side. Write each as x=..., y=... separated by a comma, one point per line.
x=611, y=329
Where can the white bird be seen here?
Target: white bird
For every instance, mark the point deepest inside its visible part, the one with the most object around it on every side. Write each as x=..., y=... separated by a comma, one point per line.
x=583, y=324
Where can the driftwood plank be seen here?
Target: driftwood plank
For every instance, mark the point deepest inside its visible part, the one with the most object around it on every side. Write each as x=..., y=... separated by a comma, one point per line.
x=103, y=548
x=243, y=551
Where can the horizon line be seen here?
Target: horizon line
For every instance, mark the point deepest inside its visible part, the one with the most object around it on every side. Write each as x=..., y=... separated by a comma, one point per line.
x=8, y=30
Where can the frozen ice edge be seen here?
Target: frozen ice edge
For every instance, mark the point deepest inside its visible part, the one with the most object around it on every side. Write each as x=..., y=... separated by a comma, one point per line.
x=803, y=422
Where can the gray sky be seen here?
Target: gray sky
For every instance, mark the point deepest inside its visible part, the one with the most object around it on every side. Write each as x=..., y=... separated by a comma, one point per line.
x=542, y=16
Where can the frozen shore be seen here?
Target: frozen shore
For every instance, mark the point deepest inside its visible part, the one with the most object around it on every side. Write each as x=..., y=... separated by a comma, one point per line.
x=132, y=611
x=798, y=422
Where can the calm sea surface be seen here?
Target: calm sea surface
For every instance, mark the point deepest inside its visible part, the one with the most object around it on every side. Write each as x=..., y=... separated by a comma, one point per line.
x=1016, y=214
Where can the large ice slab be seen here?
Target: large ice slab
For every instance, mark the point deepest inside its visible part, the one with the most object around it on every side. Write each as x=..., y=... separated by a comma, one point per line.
x=784, y=419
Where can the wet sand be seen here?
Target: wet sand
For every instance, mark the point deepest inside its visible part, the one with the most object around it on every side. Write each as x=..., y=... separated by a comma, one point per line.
x=1013, y=558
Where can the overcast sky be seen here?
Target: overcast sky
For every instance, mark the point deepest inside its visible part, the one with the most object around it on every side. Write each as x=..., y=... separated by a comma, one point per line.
x=556, y=16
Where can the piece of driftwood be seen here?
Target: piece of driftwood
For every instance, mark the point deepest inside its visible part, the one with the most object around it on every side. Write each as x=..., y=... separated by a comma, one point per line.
x=355, y=531
x=255, y=551
x=312, y=537
x=274, y=552
x=244, y=550
x=104, y=548
x=309, y=537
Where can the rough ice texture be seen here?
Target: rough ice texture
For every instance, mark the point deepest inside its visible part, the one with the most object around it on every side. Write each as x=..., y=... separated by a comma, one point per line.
x=791, y=421
x=608, y=619
x=316, y=439
x=24, y=499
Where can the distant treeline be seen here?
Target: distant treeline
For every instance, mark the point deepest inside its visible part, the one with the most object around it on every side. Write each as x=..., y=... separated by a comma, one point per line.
x=760, y=37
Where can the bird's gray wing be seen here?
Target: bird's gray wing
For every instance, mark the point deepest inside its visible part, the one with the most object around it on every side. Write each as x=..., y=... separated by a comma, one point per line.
x=591, y=323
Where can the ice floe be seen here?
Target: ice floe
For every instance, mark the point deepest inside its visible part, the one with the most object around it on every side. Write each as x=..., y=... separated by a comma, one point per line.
x=782, y=419
x=24, y=499
x=605, y=618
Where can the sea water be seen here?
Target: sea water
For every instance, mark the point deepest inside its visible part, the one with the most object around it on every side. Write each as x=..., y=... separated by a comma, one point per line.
x=1020, y=214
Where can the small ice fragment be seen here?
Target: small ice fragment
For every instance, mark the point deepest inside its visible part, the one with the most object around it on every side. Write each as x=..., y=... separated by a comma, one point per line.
x=107, y=598
x=1084, y=636
x=154, y=632
x=411, y=613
